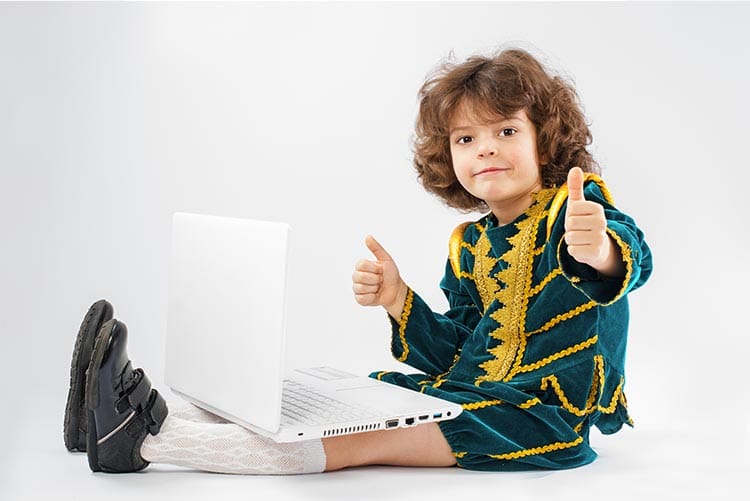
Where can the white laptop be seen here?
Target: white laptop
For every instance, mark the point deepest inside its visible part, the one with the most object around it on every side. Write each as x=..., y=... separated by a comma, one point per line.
x=225, y=341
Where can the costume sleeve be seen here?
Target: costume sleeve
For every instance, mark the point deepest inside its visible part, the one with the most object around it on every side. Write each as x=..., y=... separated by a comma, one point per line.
x=429, y=341
x=636, y=254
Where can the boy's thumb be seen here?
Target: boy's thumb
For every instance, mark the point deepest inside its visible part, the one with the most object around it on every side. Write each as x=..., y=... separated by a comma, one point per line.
x=575, y=184
x=377, y=250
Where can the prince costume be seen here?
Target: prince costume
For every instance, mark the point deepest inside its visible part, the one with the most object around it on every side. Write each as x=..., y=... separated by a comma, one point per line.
x=533, y=344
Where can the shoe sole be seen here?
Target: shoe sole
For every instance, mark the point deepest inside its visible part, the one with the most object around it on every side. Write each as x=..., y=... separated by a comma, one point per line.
x=75, y=424
x=92, y=390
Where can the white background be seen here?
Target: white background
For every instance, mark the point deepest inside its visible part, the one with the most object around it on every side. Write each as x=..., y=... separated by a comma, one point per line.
x=113, y=116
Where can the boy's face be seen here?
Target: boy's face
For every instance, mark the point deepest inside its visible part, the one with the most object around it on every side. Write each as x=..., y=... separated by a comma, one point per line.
x=496, y=161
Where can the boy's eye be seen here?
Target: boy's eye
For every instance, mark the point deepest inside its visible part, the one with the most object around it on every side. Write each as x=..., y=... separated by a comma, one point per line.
x=508, y=131
x=463, y=139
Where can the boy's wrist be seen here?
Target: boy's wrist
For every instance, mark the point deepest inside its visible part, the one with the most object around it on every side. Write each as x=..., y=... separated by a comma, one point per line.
x=397, y=307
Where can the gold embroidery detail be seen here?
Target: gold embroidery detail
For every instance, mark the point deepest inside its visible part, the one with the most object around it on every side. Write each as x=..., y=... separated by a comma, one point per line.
x=552, y=380
x=538, y=450
x=380, y=375
x=440, y=377
x=459, y=455
x=617, y=396
x=472, y=406
x=564, y=316
x=514, y=297
x=402, y=325
x=627, y=257
x=556, y=356
x=530, y=403
x=595, y=393
x=454, y=248
x=546, y=280
x=483, y=265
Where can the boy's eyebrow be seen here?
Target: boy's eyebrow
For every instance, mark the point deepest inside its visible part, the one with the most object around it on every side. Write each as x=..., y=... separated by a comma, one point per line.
x=465, y=127
x=462, y=127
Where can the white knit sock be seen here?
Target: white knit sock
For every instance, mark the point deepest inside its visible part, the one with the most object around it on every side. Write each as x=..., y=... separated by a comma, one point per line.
x=197, y=439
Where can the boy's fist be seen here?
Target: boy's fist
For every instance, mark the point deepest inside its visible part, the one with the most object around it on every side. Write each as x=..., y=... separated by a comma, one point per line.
x=378, y=283
x=585, y=226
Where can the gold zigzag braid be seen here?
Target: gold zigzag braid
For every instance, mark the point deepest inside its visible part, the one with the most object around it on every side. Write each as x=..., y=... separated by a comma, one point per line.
x=537, y=450
x=555, y=356
x=530, y=403
x=402, y=324
x=538, y=251
x=627, y=257
x=564, y=316
x=463, y=274
x=530, y=240
x=546, y=280
x=617, y=396
x=567, y=405
x=483, y=265
x=592, y=402
x=514, y=297
x=440, y=378
x=597, y=382
x=472, y=406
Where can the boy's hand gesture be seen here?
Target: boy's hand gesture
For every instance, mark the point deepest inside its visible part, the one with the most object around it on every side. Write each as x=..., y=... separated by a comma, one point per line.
x=378, y=283
x=585, y=231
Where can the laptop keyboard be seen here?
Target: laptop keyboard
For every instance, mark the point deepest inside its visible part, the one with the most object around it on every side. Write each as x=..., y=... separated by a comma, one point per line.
x=302, y=404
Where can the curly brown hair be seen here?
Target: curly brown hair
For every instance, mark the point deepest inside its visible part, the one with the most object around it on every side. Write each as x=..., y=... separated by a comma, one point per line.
x=503, y=84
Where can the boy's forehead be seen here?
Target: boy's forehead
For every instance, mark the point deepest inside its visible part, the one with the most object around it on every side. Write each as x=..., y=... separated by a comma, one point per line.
x=470, y=113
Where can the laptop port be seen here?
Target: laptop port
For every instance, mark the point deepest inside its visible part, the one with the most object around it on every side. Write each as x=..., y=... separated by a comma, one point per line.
x=437, y=415
x=391, y=423
x=409, y=420
x=423, y=417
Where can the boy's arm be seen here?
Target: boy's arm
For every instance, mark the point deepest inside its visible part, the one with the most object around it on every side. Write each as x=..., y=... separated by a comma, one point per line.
x=430, y=341
x=606, y=259
x=426, y=340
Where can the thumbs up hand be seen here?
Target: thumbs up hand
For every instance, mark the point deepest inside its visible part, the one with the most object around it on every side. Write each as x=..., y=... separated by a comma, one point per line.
x=585, y=231
x=378, y=283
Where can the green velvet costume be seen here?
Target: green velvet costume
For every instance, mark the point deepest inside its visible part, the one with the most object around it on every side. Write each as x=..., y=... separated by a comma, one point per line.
x=533, y=345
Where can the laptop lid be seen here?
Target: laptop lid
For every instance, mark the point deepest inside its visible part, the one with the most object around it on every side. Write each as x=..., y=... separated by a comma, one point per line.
x=217, y=353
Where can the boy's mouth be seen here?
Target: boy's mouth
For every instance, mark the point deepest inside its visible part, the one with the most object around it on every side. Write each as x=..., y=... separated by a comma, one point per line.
x=490, y=170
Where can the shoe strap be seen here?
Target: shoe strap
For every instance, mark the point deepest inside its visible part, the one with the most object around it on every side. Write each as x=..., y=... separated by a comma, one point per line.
x=136, y=394
x=156, y=412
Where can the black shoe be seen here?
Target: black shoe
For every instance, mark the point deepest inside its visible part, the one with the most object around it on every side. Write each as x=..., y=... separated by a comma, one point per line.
x=76, y=417
x=122, y=406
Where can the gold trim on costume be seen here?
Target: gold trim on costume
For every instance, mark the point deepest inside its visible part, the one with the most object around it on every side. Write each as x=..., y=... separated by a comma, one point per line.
x=402, y=324
x=541, y=285
x=455, y=244
x=538, y=450
x=514, y=297
x=472, y=406
x=627, y=257
x=564, y=316
x=555, y=356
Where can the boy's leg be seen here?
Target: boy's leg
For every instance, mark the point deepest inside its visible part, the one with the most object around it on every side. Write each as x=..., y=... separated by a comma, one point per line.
x=194, y=438
x=219, y=446
x=129, y=426
x=423, y=445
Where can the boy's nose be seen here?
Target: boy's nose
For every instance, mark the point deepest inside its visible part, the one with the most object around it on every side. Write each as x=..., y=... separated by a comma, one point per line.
x=486, y=149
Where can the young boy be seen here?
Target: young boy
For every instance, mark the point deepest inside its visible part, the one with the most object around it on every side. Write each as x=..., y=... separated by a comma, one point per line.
x=533, y=344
